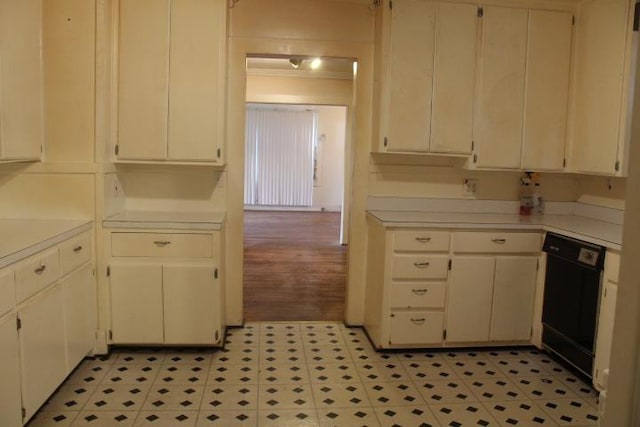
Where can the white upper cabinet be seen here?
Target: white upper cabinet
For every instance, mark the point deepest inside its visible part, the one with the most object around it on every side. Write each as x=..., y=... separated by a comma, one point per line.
x=171, y=59
x=500, y=118
x=602, y=82
x=547, y=90
x=428, y=77
x=21, y=83
x=523, y=93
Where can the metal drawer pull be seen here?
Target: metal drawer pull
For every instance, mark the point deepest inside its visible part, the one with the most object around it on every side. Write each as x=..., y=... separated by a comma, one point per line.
x=421, y=264
x=40, y=269
x=419, y=291
x=499, y=241
x=418, y=321
x=162, y=243
x=77, y=249
x=423, y=239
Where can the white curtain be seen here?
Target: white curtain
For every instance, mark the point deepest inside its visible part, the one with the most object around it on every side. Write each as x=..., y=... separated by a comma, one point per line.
x=279, y=157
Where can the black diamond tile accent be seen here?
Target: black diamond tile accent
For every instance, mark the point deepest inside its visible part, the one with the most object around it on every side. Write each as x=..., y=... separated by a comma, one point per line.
x=525, y=406
x=566, y=418
x=189, y=391
x=417, y=411
x=512, y=421
x=551, y=405
x=538, y=420
x=59, y=418
x=172, y=369
x=70, y=403
x=273, y=416
x=120, y=418
x=445, y=410
x=499, y=408
x=389, y=413
x=152, y=417
x=329, y=401
x=213, y=417
x=299, y=402
x=157, y=403
x=244, y=403
x=135, y=391
x=576, y=404
x=483, y=423
x=186, y=403
x=182, y=417
x=129, y=403
x=378, y=388
x=592, y=417
x=360, y=414
x=325, y=389
x=472, y=409
x=355, y=400
x=272, y=402
x=100, y=403
x=244, y=390
x=302, y=416
x=91, y=417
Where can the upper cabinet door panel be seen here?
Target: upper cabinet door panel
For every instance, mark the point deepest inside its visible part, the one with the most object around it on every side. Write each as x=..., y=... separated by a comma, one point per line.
x=197, y=55
x=143, y=77
x=499, y=124
x=410, y=75
x=454, y=78
x=21, y=87
x=600, y=59
x=547, y=89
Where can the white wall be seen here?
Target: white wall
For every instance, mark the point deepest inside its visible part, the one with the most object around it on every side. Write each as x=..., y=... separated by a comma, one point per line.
x=328, y=191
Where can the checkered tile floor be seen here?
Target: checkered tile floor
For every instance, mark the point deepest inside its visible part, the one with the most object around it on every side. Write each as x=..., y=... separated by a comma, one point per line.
x=318, y=374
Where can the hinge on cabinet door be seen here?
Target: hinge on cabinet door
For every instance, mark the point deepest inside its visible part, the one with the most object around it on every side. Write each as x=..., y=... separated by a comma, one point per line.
x=391, y=5
x=18, y=323
x=110, y=335
x=215, y=273
x=617, y=166
x=573, y=20
x=386, y=141
x=636, y=17
x=219, y=152
x=41, y=148
x=108, y=271
x=444, y=334
x=537, y=265
x=480, y=12
x=24, y=413
x=473, y=145
x=449, y=263
x=475, y=158
x=217, y=336
x=117, y=149
x=564, y=162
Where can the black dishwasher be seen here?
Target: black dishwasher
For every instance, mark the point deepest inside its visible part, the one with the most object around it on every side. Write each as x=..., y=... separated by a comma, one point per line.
x=571, y=297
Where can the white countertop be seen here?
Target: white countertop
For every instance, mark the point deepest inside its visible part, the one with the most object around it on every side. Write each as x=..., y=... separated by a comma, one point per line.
x=591, y=230
x=21, y=238
x=166, y=220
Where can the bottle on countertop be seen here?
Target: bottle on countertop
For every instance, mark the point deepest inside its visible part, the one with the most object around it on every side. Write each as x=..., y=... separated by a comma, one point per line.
x=537, y=204
x=526, y=200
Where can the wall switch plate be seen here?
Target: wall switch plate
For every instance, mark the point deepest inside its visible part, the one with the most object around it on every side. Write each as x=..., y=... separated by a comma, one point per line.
x=470, y=187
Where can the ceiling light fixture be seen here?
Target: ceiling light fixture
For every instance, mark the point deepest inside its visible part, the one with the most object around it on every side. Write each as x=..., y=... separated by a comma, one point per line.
x=295, y=62
x=316, y=63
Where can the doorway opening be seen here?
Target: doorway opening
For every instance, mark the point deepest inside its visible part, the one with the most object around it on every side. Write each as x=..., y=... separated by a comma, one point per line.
x=297, y=162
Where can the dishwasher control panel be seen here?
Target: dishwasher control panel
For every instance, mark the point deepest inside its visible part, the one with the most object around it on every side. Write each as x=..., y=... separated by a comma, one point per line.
x=588, y=256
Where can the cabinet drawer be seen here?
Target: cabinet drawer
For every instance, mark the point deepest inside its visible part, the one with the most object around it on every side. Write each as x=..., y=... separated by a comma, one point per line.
x=418, y=295
x=416, y=327
x=161, y=245
x=419, y=267
x=421, y=241
x=7, y=291
x=496, y=242
x=74, y=253
x=36, y=274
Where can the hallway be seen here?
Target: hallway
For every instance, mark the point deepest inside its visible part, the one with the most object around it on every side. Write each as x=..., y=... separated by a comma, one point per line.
x=294, y=266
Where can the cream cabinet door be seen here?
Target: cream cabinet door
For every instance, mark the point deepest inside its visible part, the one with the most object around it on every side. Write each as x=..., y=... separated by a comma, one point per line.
x=80, y=314
x=407, y=110
x=604, y=336
x=499, y=121
x=196, y=91
x=143, y=76
x=454, y=78
x=10, y=402
x=470, y=298
x=547, y=90
x=513, y=298
x=21, y=87
x=601, y=49
x=136, y=303
x=42, y=348
x=192, y=304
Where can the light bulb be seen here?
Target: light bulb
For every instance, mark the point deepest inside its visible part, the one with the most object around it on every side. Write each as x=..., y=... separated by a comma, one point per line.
x=316, y=63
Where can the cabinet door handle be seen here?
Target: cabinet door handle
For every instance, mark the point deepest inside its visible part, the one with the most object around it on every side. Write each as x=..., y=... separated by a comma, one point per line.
x=161, y=243
x=499, y=241
x=421, y=264
x=419, y=321
x=77, y=249
x=40, y=269
x=419, y=291
x=423, y=239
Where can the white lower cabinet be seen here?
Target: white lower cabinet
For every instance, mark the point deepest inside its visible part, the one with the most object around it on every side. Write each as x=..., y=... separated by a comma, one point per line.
x=165, y=303
x=42, y=347
x=470, y=296
x=80, y=319
x=136, y=303
x=10, y=402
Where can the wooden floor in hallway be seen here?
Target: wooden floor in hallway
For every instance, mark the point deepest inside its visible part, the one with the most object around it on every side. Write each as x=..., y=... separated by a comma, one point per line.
x=294, y=266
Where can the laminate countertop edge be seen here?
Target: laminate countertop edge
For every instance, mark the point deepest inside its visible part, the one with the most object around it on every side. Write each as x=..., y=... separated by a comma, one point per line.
x=30, y=236
x=578, y=227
